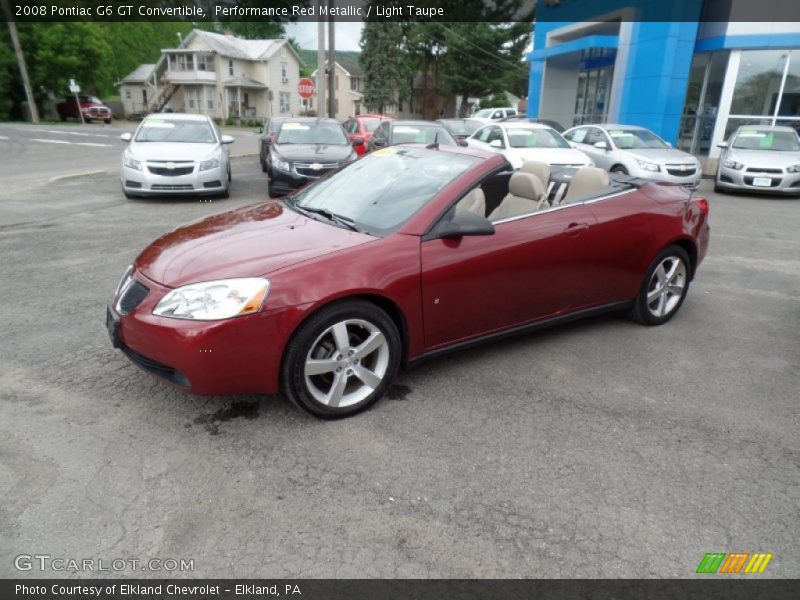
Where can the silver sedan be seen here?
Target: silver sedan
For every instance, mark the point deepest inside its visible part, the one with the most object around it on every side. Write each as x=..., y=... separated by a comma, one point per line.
x=635, y=151
x=760, y=158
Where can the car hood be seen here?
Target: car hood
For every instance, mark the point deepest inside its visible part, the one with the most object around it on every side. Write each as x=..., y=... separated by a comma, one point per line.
x=248, y=242
x=662, y=155
x=551, y=156
x=166, y=151
x=764, y=158
x=313, y=152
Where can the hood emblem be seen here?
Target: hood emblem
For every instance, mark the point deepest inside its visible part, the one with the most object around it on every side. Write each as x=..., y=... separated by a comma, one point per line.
x=683, y=167
x=170, y=165
x=316, y=166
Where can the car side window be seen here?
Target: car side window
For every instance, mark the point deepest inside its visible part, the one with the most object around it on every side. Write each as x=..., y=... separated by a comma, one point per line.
x=382, y=132
x=595, y=135
x=483, y=134
x=496, y=133
x=577, y=135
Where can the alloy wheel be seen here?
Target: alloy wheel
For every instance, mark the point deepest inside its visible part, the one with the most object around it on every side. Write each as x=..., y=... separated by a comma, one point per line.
x=346, y=363
x=667, y=286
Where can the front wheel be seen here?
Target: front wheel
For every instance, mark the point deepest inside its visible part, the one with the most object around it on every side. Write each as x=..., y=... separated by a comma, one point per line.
x=619, y=169
x=664, y=287
x=342, y=360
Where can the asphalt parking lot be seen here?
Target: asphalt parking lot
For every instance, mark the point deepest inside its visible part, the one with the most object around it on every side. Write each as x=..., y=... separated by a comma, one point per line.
x=597, y=449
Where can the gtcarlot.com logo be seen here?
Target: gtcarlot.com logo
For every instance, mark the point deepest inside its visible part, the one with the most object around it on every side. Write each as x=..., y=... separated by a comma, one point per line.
x=735, y=562
x=46, y=562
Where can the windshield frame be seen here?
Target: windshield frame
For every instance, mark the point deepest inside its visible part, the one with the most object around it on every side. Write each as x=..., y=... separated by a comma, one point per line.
x=765, y=132
x=311, y=191
x=136, y=138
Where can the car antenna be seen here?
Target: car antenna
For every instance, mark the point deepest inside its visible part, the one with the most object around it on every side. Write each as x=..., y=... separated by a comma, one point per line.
x=435, y=144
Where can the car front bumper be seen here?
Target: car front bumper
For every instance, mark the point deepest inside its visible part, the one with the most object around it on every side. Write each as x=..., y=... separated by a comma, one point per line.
x=196, y=182
x=241, y=355
x=744, y=179
x=692, y=179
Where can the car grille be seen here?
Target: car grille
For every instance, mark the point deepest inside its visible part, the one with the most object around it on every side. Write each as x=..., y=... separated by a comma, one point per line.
x=757, y=170
x=212, y=184
x=132, y=295
x=156, y=368
x=314, y=169
x=165, y=187
x=773, y=182
x=677, y=171
x=174, y=172
x=98, y=111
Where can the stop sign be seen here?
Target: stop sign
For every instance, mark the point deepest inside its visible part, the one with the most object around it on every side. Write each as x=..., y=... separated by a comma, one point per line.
x=305, y=87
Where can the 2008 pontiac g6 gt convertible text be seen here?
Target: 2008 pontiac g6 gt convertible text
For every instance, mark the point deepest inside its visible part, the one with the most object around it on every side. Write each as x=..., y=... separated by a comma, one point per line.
x=406, y=253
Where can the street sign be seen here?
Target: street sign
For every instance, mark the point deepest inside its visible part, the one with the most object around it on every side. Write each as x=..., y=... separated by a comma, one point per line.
x=305, y=87
x=74, y=87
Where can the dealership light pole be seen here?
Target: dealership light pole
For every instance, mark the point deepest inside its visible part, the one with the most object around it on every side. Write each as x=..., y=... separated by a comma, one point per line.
x=331, y=63
x=23, y=69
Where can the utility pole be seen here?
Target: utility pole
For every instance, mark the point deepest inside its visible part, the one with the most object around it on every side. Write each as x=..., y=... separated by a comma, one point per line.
x=320, y=61
x=331, y=63
x=23, y=69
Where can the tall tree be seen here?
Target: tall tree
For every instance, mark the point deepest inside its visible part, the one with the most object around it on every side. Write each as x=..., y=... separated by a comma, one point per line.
x=385, y=63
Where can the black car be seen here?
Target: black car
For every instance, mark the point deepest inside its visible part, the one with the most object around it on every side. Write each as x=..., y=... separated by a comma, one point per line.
x=305, y=149
x=268, y=134
x=410, y=132
x=554, y=124
x=461, y=128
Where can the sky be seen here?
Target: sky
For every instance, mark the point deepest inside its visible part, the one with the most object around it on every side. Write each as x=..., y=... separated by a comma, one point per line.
x=347, y=34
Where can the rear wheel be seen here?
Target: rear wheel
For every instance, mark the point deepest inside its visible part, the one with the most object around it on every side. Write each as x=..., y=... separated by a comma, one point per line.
x=341, y=360
x=664, y=287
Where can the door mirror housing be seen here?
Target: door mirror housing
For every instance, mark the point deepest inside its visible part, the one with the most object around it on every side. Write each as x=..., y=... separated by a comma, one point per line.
x=226, y=139
x=126, y=137
x=602, y=145
x=496, y=144
x=463, y=142
x=465, y=223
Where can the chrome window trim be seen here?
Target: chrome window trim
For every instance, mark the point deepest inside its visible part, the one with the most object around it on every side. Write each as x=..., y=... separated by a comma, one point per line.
x=562, y=206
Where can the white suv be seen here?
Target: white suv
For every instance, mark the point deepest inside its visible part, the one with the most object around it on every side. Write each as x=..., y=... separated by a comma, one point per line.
x=495, y=114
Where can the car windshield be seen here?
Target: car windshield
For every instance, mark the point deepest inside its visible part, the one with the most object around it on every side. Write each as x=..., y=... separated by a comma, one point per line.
x=422, y=134
x=175, y=130
x=630, y=139
x=90, y=99
x=484, y=113
x=457, y=127
x=275, y=125
x=383, y=190
x=529, y=137
x=371, y=124
x=294, y=132
x=754, y=139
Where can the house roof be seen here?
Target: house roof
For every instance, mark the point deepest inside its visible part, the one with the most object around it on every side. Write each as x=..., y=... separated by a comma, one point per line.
x=236, y=47
x=350, y=67
x=243, y=81
x=139, y=74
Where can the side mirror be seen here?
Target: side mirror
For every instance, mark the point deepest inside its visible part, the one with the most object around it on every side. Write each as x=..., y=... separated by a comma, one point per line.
x=466, y=223
x=601, y=145
x=126, y=137
x=379, y=142
x=358, y=142
x=496, y=144
x=226, y=139
x=463, y=142
x=722, y=145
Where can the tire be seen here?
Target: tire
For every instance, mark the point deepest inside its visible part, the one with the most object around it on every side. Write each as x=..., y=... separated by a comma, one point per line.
x=263, y=166
x=353, y=349
x=225, y=194
x=619, y=169
x=673, y=266
x=230, y=178
x=107, y=121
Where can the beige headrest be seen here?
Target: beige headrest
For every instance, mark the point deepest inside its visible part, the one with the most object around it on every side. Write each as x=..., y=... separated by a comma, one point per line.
x=587, y=181
x=538, y=168
x=526, y=185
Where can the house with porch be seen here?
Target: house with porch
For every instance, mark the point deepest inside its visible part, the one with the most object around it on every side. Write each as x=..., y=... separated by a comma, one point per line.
x=219, y=75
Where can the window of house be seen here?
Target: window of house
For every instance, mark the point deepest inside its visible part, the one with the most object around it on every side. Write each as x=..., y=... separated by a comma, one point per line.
x=354, y=84
x=284, y=72
x=210, y=101
x=205, y=62
x=230, y=66
x=284, y=102
x=127, y=94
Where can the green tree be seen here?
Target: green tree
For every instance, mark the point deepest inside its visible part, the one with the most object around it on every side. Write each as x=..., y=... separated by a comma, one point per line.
x=498, y=100
x=385, y=63
x=9, y=79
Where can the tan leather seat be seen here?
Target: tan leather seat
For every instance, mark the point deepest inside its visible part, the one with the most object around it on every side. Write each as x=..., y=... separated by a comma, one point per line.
x=474, y=202
x=538, y=168
x=525, y=195
x=587, y=181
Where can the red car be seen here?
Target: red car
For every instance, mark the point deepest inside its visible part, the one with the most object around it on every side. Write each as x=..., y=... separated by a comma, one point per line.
x=90, y=109
x=324, y=295
x=359, y=130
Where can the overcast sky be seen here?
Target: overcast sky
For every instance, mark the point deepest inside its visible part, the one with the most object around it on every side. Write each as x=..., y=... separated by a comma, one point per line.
x=347, y=34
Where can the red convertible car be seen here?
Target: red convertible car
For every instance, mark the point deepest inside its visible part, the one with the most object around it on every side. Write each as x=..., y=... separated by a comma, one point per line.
x=325, y=294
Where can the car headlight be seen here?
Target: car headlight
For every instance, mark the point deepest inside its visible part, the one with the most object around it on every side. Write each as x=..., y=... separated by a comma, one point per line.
x=213, y=300
x=131, y=162
x=207, y=165
x=793, y=169
x=125, y=277
x=280, y=164
x=648, y=166
x=732, y=164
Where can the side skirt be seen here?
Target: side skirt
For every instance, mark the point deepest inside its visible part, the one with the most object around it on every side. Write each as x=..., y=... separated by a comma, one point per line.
x=520, y=329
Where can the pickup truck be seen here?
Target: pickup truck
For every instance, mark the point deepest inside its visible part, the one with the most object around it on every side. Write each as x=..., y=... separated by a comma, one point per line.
x=91, y=107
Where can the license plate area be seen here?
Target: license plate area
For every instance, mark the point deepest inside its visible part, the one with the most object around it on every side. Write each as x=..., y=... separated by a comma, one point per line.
x=762, y=181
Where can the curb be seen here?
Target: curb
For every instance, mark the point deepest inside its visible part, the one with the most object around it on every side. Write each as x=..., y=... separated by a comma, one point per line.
x=76, y=175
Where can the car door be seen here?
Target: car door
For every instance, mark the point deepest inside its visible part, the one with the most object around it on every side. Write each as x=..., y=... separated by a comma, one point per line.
x=531, y=268
x=601, y=157
x=479, y=139
x=380, y=138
